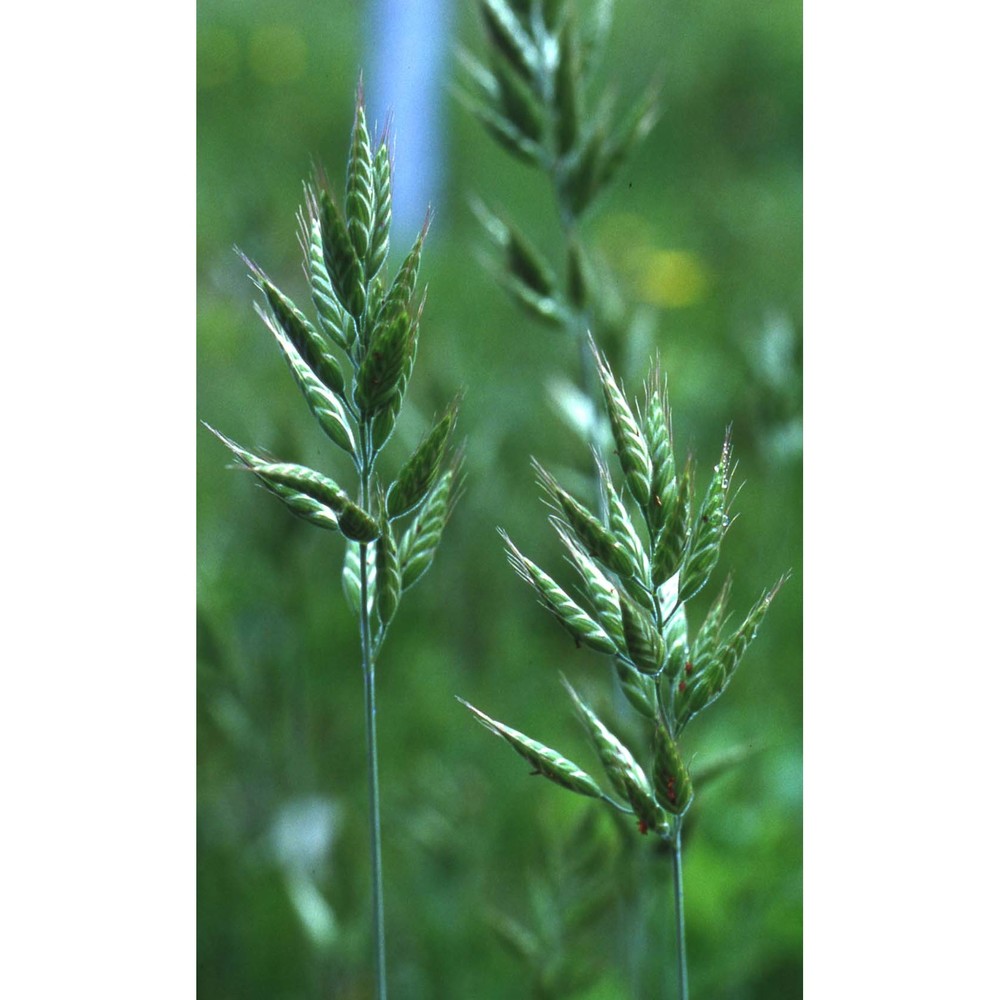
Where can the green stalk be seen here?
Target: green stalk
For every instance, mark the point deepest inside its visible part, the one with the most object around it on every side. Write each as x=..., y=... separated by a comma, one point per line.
x=580, y=324
x=682, y=976
x=587, y=377
x=368, y=669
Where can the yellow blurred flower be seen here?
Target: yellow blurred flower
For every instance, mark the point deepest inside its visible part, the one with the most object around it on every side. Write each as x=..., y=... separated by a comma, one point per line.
x=672, y=279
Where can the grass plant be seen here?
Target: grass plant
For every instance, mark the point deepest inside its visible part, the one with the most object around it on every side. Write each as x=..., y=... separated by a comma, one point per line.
x=637, y=570
x=642, y=550
x=353, y=365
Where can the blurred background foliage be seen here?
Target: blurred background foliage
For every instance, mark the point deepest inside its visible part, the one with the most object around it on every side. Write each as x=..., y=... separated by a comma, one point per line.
x=498, y=886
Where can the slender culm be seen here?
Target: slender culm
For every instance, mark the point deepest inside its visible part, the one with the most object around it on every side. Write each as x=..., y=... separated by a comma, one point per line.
x=371, y=743
x=353, y=365
x=678, y=880
x=645, y=549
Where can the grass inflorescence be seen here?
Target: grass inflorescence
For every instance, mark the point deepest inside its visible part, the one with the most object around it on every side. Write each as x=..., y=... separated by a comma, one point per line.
x=633, y=608
x=643, y=547
x=353, y=364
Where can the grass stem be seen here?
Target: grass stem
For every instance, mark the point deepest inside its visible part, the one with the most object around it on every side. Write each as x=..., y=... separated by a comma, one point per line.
x=374, y=814
x=682, y=976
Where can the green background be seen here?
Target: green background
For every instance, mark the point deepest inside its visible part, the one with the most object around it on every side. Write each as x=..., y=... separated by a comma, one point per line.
x=702, y=233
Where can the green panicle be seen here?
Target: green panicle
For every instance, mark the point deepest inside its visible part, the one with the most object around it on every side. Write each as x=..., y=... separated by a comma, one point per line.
x=384, y=363
x=568, y=78
x=304, y=480
x=622, y=769
x=306, y=508
x=672, y=541
x=663, y=485
x=620, y=523
x=383, y=211
x=547, y=309
x=524, y=263
x=508, y=38
x=359, y=199
x=630, y=443
x=600, y=591
x=388, y=580
x=518, y=103
x=334, y=319
x=640, y=593
x=579, y=184
x=397, y=299
x=645, y=644
x=596, y=540
x=505, y=132
x=385, y=419
x=301, y=504
x=307, y=341
x=671, y=780
x=420, y=540
x=706, y=642
x=357, y=525
x=715, y=662
x=709, y=529
x=351, y=576
x=326, y=407
x=484, y=82
x=666, y=599
x=640, y=689
x=421, y=468
x=567, y=612
x=342, y=263
x=695, y=696
x=353, y=522
x=374, y=299
x=731, y=651
x=675, y=638
x=546, y=762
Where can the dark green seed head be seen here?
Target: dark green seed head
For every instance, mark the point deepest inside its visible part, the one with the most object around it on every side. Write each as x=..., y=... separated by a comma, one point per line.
x=421, y=469
x=671, y=779
x=708, y=530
